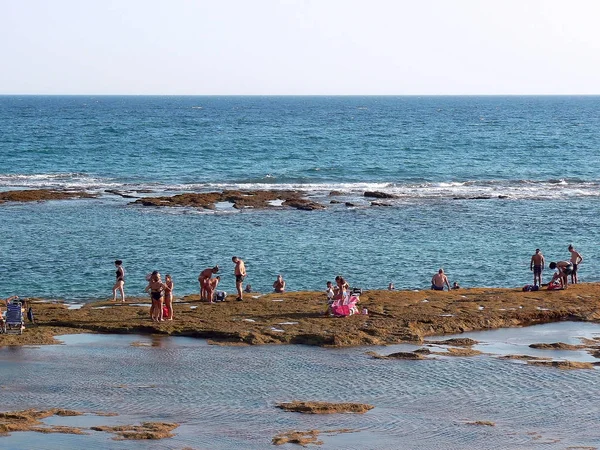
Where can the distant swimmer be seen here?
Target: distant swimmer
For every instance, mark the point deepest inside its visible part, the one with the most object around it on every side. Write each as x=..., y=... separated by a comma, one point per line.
x=439, y=280
x=455, y=285
x=537, y=265
x=576, y=259
x=240, y=274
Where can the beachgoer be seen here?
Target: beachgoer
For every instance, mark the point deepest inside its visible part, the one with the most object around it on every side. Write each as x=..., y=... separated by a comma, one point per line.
x=565, y=268
x=156, y=288
x=330, y=296
x=438, y=281
x=342, y=288
x=455, y=285
x=211, y=286
x=169, y=295
x=576, y=259
x=340, y=282
x=329, y=291
x=537, y=264
x=10, y=299
x=391, y=287
x=240, y=274
x=248, y=288
x=279, y=285
x=120, y=282
x=203, y=279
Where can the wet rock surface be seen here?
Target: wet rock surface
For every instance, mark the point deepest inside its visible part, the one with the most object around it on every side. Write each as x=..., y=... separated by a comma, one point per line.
x=40, y=195
x=325, y=407
x=298, y=317
x=239, y=200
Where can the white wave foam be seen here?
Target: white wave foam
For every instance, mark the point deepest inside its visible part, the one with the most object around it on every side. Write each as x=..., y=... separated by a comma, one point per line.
x=510, y=189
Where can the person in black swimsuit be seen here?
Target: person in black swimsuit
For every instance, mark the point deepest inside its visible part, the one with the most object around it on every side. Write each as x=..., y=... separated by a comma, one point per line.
x=156, y=288
x=120, y=283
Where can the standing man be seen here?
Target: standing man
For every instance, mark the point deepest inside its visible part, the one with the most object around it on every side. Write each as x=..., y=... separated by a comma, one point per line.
x=576, y=259
x=438, y=281
x=537, y=265
x=240, y=274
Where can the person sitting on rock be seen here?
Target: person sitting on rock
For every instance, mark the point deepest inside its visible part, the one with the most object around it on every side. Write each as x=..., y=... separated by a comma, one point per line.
x=439, y=280
x=279, y=285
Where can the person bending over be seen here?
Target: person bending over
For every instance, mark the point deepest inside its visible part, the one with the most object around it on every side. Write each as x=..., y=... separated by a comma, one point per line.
x=565, y=268
x=204, y=279
x=211, y=288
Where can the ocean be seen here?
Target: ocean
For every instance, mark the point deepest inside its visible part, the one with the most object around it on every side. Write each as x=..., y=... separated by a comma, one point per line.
x=479, y=184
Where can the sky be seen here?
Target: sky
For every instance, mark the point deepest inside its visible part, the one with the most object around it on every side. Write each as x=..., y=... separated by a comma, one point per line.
x=300, y=47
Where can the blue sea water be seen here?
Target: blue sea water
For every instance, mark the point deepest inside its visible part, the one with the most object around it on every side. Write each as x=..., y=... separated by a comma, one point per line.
x=480, y=182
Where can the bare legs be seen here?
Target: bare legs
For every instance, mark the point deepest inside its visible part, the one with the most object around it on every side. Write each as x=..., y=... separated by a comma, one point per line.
x=156, y=310
x=169, y=305
x=119, y=287
x=238, y=286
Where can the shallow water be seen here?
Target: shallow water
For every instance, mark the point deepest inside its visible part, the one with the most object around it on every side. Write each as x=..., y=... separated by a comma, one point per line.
x=225, y=397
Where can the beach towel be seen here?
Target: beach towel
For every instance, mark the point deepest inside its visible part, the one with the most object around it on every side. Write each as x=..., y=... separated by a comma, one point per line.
x=554, y=285
x=345, y=306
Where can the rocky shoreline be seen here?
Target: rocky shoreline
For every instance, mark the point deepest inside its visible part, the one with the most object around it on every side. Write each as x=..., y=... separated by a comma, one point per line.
x=299, y=317
x=238, y=199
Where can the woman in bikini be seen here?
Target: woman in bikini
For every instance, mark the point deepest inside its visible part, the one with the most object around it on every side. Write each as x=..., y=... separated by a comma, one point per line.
x=156, y=288
x=169, y=295
x=120, y=283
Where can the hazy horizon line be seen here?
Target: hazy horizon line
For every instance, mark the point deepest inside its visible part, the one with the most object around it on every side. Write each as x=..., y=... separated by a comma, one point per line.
x=288, y=95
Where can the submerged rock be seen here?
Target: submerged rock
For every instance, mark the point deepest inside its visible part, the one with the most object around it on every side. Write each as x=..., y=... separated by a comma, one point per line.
x=457, y=342
x=564, y=365
x=556, y=346
x=417, y=354
x=325, y=407
x=38, y=195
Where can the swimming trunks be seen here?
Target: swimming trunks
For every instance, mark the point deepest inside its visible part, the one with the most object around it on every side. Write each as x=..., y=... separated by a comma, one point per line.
x=239, y=278
x=537, y=269
x=568, y=270
x=155, y=295
x=574, y=269
x=435, y=288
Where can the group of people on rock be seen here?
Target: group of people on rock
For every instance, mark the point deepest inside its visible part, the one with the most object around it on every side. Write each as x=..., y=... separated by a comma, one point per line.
x=337, y=292
x=161, y=293
x=563, y=269
x=208, y=284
